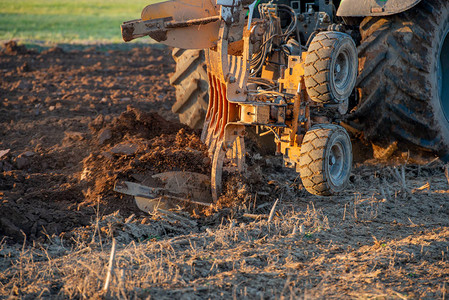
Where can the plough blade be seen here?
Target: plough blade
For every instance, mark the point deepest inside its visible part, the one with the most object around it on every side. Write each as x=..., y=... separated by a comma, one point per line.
x=169, y=190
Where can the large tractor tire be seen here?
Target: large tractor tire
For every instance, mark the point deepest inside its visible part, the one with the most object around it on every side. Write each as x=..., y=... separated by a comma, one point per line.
x=190, y=81
x=404, y=78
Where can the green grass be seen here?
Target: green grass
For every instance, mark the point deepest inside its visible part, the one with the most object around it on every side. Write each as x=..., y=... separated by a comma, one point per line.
x=67, y=21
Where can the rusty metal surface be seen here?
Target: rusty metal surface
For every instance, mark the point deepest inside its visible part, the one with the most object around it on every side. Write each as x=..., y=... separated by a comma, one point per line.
x=365, y=8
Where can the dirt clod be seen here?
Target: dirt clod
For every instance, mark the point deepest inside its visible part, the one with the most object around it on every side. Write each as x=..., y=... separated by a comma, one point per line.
x=12, y=48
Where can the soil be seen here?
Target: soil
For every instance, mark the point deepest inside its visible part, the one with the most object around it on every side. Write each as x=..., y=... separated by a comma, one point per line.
x=75, y=122
x=61, y=114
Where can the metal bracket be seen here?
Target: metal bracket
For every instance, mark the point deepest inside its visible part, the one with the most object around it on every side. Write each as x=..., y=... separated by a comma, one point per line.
x=157, y=28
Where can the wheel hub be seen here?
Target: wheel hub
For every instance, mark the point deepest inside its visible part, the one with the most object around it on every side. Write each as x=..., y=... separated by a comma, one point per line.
x=341, y=71
x=336, y=163
x=443, y=74
x=338, y=68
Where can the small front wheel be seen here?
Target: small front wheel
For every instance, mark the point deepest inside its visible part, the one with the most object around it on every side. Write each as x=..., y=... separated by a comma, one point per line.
x=325, y=159
x=331, y=67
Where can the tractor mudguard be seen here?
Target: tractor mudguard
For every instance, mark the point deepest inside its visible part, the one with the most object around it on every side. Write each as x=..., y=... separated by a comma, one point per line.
x=370, y=8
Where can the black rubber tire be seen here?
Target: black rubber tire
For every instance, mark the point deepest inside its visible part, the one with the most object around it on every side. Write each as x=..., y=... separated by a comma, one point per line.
x=192, y=88
x=325, y=160
x=328, y=51
x=400, y=98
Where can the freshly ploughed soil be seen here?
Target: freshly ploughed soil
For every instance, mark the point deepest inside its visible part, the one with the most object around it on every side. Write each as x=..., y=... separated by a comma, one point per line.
x=62, y=113
x=75, y=122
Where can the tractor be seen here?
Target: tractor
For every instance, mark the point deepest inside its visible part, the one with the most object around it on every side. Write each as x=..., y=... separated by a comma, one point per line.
x=307, y=72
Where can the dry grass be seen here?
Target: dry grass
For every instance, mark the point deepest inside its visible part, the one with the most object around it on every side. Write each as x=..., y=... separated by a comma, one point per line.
x=379, y=242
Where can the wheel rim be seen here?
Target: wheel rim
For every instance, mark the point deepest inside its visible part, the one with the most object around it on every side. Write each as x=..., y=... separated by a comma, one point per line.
x=342, y=76
x=337, y=164
x=443, y=74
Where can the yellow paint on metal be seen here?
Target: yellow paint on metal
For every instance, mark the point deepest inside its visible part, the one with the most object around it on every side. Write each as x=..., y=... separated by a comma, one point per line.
x=294, y=72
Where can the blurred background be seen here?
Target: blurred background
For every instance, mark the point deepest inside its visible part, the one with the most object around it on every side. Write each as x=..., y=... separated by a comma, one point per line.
x=50, y=22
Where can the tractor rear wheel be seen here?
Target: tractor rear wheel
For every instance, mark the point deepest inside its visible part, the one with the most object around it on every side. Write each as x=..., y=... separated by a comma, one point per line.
x=404, y=78
x=190, y=81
